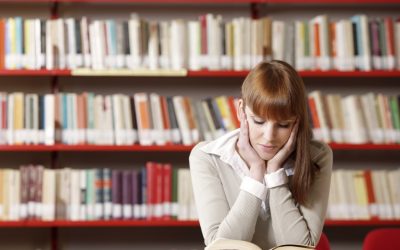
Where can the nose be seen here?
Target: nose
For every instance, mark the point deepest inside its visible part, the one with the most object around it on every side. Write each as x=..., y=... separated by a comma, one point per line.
x=269, y=131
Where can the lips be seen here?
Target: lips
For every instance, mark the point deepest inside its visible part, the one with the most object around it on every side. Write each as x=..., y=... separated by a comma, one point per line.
x=267, y=147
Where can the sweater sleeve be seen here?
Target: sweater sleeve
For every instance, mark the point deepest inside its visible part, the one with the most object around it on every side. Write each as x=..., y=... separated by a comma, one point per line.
x=217, y=219
x=302, y=224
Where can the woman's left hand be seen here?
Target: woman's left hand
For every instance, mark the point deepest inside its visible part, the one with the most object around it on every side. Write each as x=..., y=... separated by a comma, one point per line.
x=277, y=161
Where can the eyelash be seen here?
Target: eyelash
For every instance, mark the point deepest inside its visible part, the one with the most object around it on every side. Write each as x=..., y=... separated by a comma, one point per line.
x=280, y=125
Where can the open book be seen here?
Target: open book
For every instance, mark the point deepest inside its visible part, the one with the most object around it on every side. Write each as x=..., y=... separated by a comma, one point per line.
x=227, y=244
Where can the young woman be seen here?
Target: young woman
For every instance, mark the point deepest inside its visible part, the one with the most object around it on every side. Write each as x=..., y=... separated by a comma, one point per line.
x=267, y=182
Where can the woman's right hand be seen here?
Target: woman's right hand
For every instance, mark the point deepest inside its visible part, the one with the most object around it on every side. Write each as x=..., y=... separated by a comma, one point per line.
x=247, y=152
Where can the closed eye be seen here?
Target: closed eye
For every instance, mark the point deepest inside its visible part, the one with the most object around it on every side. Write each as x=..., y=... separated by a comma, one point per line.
x=285, y=125
x=258, y=122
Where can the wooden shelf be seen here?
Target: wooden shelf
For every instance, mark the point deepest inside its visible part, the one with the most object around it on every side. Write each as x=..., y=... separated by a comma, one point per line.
x=171, y=223
x=166, y=148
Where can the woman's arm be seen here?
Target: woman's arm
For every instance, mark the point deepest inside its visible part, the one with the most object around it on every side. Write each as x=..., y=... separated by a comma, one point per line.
x=217, y=219
x=302, y=225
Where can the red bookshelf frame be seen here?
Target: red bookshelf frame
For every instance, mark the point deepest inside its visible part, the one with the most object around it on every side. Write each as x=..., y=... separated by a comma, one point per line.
x=240, y=1
x=110, y=223
x=94, y=148
x=216, y=73
x=42, y=72
x=166, y=148
x=171, y=223
x=332, y=223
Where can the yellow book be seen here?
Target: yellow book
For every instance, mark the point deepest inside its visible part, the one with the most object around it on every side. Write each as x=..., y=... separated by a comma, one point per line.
x=228, y=244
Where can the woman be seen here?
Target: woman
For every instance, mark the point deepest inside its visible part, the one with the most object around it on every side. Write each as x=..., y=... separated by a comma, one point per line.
x=267, y=182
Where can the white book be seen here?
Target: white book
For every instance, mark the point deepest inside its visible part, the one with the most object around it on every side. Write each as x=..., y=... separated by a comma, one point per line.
x=98, y=119
x=349, y=46
x=82, y=194
x=365, y=38
x=194, y=31
x=299, y=46
x=61, y=43
x=75, y=195
x=238, y=59
x=178, y=44
x=86, y=52
x=369, y=108
x=394, y=187
x=158, y=124
x=278, y=40
x=131, y=133
x=247, y=43
x=135, y=60
x=15, y=200
x=28, y=119
x=153, y=46
x=118, y=119
x=74, y=116
x=71, y=43
x=165, y=57
x=355, y=122
x=107, y=135
x=49, y=194
x=182, y=119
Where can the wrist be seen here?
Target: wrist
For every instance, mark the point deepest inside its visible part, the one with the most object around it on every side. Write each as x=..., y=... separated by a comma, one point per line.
x=257, y=172
x=272, y=168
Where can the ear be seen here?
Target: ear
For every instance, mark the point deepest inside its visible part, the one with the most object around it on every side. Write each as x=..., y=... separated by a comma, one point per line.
x=240, y=109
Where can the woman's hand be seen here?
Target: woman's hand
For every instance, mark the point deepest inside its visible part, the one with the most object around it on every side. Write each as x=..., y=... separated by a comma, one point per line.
x=247, y=152
x=277, y=161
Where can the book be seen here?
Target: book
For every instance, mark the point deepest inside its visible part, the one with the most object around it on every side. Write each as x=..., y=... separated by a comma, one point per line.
x=228, y=244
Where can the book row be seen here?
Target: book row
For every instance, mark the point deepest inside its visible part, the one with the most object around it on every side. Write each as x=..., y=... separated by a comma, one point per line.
x=209, y=42
x=364, y=194
x=357, y=119
x=153, y=119
x=154, y=191
x=117, y=119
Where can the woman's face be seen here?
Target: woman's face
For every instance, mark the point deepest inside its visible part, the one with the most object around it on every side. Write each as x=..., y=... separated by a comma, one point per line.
x=268, y=136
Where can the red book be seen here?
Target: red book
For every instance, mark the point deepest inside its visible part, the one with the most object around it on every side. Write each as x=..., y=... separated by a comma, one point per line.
x=389, y=36
x=2, y=46
x=151, y=190
x=314, y=114
x=316, y=40
x=370, y=193
x=167, y=191
x=233, y=111
x=203, y=23
x=158, y=210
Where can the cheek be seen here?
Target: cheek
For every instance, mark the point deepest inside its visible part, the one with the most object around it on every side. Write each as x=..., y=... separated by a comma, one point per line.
x=254, y=132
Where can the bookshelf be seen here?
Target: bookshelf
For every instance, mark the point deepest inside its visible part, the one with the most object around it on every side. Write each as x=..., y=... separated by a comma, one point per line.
x=71, y=80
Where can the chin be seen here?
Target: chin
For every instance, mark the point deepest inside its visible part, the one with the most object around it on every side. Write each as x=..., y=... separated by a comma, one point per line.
x=265, y=156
